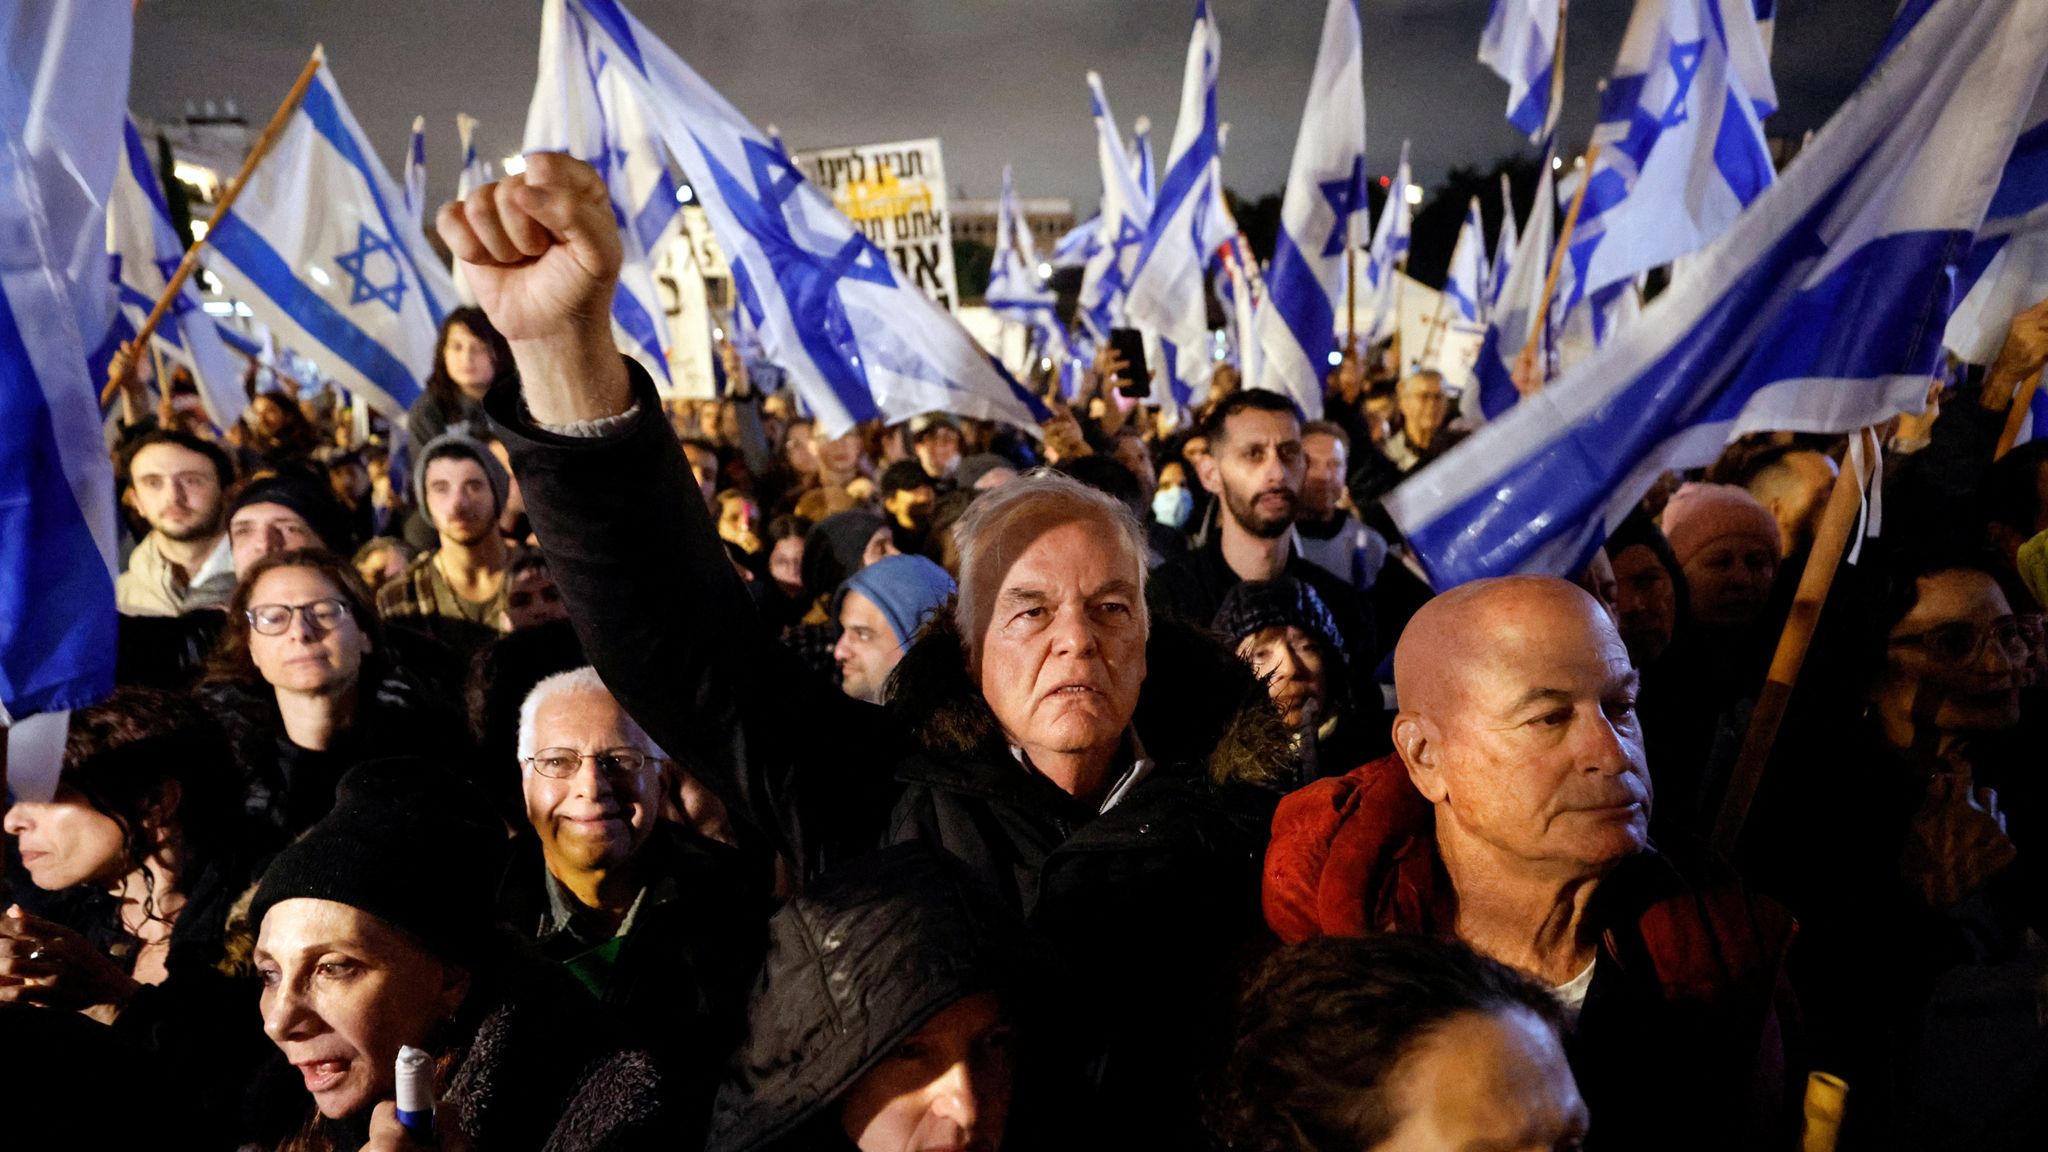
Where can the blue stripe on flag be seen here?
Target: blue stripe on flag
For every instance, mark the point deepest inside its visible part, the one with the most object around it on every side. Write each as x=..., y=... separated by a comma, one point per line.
x=1293, y=291
x=256, y=259
x=326, y=117
x=59, y=599
x=1535, y=106
x=1739, y=156
x=613, y=20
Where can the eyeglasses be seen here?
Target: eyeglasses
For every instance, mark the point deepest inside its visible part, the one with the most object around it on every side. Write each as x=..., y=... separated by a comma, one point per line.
x=561, y=763
x=1963, y=642
x=276, y=619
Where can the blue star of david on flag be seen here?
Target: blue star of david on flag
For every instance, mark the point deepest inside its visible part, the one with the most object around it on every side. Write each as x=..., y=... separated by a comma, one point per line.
x=1346, y=195
x=361, y=272
x=1685, y=64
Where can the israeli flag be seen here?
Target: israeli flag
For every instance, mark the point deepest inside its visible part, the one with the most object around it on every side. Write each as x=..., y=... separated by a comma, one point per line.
x=1073, y=249
x=474, y=175
x=320, y=248
x=1682, y=148
x=61, y=106
x=1322, y=215
x=144, y=252
x=1169, y=293
x=1390, y=241
x=416, y=171
x=858, y=343
x=1520, y=45
x=1120, y=233
x=1245, y=301
x=1014, y=289
x=1512, y=323
x=1464, y=287
x=2006, y=271
x=1503, y=248
x=1141, y=157
x=1820, y=310
x=584, y=105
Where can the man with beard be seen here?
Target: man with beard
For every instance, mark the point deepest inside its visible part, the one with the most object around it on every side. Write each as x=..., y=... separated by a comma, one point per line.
x=456, y=592
x=177, y=482
x=1254, y=466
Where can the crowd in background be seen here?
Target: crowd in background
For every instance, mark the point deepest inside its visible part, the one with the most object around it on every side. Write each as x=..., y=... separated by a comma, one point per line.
x=660, y=774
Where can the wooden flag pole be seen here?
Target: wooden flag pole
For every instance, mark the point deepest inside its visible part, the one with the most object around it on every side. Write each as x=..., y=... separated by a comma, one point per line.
x=2022, y=400
x=186, y=266
x=1831, y=540
x=1350, y=294
x=1557, y=259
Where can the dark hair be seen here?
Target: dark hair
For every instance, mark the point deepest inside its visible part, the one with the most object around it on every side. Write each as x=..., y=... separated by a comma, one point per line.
x=223, y=465
x=1640, y=531
x=524, y=560
x=1106, y=474
x=1245, y=400
x=441, y=386
x=1327, y=428
x=902, y=476
x=788, y=525
x=122, y=753
x=1325, y=1024
x=231, y=662
x=2012, y=489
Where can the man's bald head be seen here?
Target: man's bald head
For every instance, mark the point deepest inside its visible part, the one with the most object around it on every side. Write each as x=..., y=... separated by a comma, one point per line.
x=1480, y=625
x=1518, y=722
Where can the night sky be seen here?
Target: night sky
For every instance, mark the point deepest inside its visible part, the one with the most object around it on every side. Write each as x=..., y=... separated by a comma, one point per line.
x=1000, y=81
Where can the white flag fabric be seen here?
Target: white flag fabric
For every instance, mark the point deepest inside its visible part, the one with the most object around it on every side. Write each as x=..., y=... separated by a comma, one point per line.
x=1141, y=158
x=584, y=105
x=416, y=172
x=1322, y=215
x=1503, y=248
x=1390, y=239
x=320, y=248
x=1520, y=45
x=1120, y=227
x=1014, y=289
x=1245, y=302
x=145, y=251
x=1168, y=292
x=1682, y=148
x=1464, y=286
x=474, y=175
x=1820, y=310
x=858, y=343
x=64, y=93
x=2006, y=271
x=1512, y=323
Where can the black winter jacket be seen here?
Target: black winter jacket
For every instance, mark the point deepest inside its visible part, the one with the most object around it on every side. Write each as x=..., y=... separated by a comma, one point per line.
x=1151, y=898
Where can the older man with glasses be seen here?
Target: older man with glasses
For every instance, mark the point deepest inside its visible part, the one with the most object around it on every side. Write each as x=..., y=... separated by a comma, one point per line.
x=658, y=922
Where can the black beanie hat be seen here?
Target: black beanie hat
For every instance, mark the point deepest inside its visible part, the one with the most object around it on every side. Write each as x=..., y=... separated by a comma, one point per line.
x=1277, y=603
x=410, y=843
x=305, y=494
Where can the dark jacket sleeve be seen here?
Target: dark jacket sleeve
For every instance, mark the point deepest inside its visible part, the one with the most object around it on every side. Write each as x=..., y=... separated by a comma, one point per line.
x=668, y=624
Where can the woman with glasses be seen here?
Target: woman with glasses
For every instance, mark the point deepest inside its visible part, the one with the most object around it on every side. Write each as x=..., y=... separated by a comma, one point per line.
x=303, y=686
x=1896, y=826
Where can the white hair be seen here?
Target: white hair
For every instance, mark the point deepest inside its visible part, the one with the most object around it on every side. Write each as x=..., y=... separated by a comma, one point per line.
x=578, y=680
x=1002, y=522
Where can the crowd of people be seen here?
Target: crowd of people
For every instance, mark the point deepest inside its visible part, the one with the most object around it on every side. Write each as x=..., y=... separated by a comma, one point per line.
x=677, y=775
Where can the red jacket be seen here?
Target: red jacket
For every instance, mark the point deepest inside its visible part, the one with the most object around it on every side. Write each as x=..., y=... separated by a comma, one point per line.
x=1683, y=1039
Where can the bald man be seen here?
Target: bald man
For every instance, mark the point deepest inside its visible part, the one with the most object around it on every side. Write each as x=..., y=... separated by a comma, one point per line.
x=1514, y=816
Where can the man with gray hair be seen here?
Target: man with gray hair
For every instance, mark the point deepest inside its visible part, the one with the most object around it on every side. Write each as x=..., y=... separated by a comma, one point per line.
x=658, y=922
x=1011, y=739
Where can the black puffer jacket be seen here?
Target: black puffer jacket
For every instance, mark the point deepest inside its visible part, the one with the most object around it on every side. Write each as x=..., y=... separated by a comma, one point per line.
x=1153, y=896
x=855, y=966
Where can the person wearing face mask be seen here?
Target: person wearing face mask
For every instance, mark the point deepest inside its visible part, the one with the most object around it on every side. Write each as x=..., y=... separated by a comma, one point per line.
x=658, y=922
x=375, y=931
x=1514, y=816
x=1172, y=502
x=126, y=870
x=885, y=1018
x=303, y=684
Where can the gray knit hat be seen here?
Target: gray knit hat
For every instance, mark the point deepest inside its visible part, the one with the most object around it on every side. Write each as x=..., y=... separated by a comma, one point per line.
x=448, y=443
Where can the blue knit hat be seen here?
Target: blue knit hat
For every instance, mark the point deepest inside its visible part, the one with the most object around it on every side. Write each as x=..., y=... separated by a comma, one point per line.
x=905, y=588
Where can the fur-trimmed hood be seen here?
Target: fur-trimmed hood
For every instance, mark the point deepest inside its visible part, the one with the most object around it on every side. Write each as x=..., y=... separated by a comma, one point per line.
x=1200, y=706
